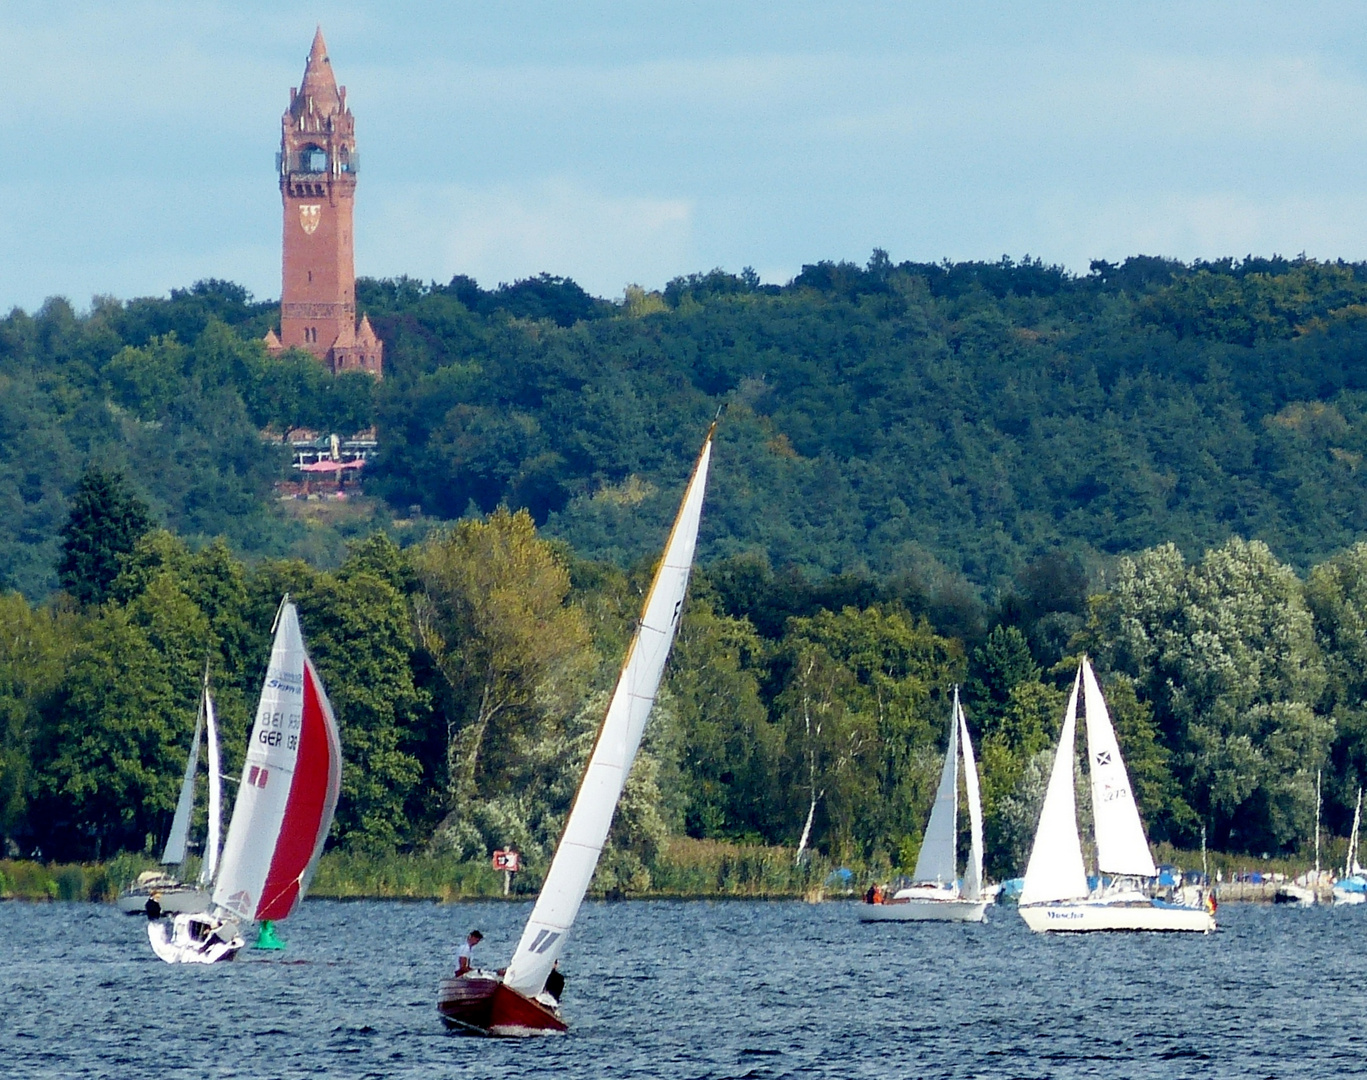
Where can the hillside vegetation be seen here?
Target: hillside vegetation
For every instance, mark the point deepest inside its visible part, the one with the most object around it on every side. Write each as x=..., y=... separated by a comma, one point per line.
x=925, y=475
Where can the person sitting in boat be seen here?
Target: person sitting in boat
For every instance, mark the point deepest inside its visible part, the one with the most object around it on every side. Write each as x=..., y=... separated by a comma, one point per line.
x=466, y=957
x=153, y=907
x=555, y=982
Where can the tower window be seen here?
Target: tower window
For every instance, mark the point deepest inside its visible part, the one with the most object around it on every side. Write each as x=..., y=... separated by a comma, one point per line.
x=315, y=159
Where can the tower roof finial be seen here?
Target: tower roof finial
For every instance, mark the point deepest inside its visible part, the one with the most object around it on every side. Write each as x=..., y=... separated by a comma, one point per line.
x=319, y=83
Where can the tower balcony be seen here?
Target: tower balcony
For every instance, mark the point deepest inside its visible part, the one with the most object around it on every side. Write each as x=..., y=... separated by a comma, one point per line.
x=312, y=163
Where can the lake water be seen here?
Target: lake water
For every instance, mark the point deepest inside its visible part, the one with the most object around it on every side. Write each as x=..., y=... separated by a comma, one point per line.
x=694, y=990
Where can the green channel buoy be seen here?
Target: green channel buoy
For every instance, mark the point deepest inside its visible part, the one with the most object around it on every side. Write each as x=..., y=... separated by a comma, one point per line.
x=266, y=939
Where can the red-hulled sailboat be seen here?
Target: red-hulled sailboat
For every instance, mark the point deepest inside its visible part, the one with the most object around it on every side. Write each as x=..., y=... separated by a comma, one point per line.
x=285, y=803
x=517, y=1002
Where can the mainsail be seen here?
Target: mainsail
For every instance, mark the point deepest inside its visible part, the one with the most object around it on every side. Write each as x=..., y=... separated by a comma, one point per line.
x=586, y=829
x=1055, y=870
x=973, y=873
x=179, y=837
x=1121, y=847
x=288, y=792
x=937, y=860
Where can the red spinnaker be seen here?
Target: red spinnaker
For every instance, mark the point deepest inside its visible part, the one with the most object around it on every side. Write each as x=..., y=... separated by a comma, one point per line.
x=308, y=811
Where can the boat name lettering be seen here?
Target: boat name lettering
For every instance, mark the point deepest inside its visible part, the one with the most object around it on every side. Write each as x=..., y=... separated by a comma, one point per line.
x=287, y=681
x=1065, y=914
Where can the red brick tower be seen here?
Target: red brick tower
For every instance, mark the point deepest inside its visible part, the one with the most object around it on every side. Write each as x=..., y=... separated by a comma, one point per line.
x=318, y=165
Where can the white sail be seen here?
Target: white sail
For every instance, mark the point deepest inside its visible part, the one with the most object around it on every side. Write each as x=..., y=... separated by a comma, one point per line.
x=289, y=787
x=973, y=873
x=1121, y=847
x=180, y=824
x=586, y=829
x=938, y=859
x=1055, y=870
x=1351, y=868
x=212, y=842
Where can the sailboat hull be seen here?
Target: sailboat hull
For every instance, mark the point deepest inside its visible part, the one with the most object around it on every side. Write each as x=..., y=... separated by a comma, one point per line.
x=1081, y=918
x=480, y=1004
x=174, y=898
x=193, y=939
x=919, y=910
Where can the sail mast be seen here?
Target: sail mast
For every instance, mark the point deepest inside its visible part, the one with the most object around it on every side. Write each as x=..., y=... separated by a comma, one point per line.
x=587, y=826
x=212, y=842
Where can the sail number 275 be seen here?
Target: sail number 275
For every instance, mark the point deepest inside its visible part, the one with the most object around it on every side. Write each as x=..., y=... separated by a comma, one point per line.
x=279, y=729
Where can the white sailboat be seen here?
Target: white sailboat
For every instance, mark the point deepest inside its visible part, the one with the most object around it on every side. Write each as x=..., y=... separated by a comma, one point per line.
x=936, y=894
x=1352, y=887
x=516, y=1002
x=285, y=802
x=1056, y=895
x=174, y=896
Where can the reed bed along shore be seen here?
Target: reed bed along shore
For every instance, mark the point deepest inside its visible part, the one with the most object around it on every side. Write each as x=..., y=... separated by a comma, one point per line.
x=684, y=869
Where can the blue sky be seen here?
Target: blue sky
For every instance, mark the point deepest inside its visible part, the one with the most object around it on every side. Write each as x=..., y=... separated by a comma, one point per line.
x=620, y=143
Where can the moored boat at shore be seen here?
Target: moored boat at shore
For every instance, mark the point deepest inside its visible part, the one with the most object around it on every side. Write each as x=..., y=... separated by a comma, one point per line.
x=936, y=893
x=167, y=891
x=1056, y=895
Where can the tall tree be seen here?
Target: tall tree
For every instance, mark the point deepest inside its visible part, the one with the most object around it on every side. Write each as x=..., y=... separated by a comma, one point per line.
x=1224, y=650
x=513, y=654
x=106, y=520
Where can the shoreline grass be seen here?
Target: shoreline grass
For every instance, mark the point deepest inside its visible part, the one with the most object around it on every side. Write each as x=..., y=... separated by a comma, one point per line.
x=684, y=869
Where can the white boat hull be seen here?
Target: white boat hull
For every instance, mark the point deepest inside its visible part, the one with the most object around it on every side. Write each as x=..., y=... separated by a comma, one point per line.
x=174, y=900
x=1083, y=917
x=1349, y=897
x=193, y=939
x=924, y=911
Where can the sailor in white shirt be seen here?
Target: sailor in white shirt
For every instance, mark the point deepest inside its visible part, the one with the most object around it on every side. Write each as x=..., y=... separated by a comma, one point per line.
x=465, y=959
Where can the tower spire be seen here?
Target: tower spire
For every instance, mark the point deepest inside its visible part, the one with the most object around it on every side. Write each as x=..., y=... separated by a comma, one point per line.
x=318, y=88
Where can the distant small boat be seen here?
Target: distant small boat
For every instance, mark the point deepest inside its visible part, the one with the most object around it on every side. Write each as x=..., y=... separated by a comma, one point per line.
x=936, y=894
x=1304, y=891
x=516, y=1001
x=1352, y=887
x=285, y=802
x=1056, y=895
x=172, y=895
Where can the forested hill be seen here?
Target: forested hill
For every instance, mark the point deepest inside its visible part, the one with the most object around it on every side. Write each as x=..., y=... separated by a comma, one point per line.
x=892, y=418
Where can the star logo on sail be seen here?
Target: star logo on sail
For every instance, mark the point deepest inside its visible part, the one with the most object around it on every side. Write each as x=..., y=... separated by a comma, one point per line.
x=1103, y=758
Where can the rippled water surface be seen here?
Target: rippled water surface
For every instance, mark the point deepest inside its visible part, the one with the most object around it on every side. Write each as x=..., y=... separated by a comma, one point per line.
x=694, y=990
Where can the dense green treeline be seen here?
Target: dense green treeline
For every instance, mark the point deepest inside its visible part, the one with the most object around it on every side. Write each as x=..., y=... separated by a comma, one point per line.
x=470, y=672
x=926, y=475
